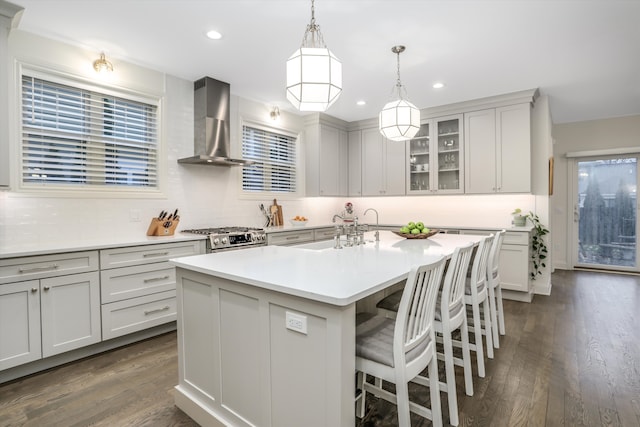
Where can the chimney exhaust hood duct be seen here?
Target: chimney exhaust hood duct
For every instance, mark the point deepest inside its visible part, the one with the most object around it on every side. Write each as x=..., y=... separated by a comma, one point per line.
x=211, y=125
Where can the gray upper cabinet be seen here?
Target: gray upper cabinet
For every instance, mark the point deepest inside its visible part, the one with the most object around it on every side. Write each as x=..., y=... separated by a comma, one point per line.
x=498, y=150
x=326, y=160
x=383, y=165
x=7, y=12
x=355, y=163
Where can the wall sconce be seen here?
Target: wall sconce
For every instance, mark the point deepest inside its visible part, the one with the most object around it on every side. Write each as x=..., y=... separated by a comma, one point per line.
x=275, y=113
x=101, y=64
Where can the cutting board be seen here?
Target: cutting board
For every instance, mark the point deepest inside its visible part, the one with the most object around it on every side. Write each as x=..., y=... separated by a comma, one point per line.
x=276, y=212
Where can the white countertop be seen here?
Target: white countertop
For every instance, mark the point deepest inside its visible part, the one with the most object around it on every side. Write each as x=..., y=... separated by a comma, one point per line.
x=318, y=272
x=47, y=245
x=288, y=227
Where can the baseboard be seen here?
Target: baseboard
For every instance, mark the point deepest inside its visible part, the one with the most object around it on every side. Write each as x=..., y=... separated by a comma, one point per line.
x=80, y=353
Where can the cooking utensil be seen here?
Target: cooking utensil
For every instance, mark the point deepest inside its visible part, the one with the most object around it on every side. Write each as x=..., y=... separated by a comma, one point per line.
x=279, y=212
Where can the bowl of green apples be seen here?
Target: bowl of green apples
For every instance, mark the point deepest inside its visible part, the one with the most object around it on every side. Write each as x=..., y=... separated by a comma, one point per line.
x=415, y=230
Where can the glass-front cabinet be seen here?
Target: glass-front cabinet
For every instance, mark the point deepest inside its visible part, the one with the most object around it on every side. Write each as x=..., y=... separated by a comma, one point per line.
x=435, y=157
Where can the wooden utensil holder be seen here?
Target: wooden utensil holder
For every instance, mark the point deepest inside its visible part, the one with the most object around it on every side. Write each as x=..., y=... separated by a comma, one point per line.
x=162, y=227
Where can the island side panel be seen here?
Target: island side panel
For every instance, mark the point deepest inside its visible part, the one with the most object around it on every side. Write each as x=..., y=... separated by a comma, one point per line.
x=258, y=371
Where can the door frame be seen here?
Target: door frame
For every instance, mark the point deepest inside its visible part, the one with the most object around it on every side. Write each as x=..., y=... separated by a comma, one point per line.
x=572, y=224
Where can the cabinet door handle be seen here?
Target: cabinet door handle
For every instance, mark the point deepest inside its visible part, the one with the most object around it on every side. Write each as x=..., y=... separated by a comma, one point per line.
x=34, y=269
x=157, y=310
x=156, y=254
x=46, y=288
x=34, y=290
x=156, y=279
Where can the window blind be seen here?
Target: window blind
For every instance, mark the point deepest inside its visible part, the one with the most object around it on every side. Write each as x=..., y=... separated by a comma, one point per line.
x=275, y=157
x=79, y=137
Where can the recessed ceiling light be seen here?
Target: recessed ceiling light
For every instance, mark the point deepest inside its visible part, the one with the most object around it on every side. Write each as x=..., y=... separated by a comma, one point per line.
x=361, y=102
x=214, y=35
x=438, y=85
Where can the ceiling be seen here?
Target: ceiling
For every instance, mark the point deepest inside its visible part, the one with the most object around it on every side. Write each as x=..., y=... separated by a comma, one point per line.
x=583, y=54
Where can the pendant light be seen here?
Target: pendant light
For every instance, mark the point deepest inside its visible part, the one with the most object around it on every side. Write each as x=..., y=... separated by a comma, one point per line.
x=399, y=120
x=314, y=74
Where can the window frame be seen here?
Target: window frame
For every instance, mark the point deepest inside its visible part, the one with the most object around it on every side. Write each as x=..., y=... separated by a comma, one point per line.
x=299, y=169
x=25, y=188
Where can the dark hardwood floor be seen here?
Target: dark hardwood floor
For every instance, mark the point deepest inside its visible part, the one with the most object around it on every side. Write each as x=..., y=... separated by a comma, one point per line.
x=569, y=359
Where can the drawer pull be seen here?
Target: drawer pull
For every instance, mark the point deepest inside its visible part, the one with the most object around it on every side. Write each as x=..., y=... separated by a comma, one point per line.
x=46, y=288
x=156, y=279
x=292, y=237
x=34, y=269
x=34, y=290
x=157, y=310
x=156, y=254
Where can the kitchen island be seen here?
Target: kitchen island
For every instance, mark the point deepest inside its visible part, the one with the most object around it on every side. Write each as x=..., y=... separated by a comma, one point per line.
x=266, y=336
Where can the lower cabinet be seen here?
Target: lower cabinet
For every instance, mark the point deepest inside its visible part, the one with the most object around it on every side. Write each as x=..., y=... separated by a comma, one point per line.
x=514, y=264
x=139, y=286
x=42, y=318
x=286, y=238
x=52, y=304
x=19, y=323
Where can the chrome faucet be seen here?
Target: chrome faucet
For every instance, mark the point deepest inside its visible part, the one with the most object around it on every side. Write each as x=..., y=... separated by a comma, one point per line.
x=337, y=216
x=377, y=233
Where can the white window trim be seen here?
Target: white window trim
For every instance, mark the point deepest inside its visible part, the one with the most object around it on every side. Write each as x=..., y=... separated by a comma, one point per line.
x=49, y=190
x=253, y=195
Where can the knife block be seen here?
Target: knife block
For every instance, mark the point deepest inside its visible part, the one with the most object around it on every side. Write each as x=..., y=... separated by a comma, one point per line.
x=162, y=227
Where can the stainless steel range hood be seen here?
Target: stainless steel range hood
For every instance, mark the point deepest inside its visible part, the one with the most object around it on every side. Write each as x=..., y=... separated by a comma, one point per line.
x=211, y=125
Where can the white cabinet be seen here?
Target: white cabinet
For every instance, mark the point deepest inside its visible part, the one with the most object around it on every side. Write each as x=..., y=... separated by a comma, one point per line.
x=7, y=12
x=293, y=237
x=498, y=150
x=383, y=165
x=326, y=155
x=435, y=157
x=139, y=286
x=355, y=163
x=70, y=312
x=515, y=266
x=514, y=263
x=49, y=304
x=19, y=323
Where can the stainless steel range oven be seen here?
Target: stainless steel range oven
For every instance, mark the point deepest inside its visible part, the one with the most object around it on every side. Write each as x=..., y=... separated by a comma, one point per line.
x=230, y=238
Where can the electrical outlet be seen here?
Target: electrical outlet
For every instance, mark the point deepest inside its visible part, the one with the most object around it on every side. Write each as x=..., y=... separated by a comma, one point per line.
x=296, y=322
x=134, y=215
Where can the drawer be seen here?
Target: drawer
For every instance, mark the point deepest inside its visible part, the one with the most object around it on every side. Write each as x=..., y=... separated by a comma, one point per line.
x=324, y=233
x=290, y=237
x=130, y=282
x=147, y=254
x=135, y=314
x=41, y=266
x=516, y=238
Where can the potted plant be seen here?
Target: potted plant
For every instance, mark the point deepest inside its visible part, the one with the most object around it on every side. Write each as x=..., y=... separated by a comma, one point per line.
x=538, y=245
x=519, y=220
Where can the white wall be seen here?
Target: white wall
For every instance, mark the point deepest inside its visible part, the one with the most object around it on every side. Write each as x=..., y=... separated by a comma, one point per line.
x=206, y=196
x=621, y=132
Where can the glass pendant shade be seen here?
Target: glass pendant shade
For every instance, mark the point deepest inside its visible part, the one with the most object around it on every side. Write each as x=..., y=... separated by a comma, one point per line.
x=314, y=78
x=399, y=120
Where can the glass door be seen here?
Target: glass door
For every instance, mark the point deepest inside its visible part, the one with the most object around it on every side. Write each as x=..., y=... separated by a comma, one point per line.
x=449, y=154
x=605, y=213
x=419, y=160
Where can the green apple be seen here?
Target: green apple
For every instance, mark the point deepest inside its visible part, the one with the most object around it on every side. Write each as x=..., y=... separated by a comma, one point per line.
x=419, y=225
x=411, y=225
x=415, y=231
x=425, y=230
x=405, y=230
